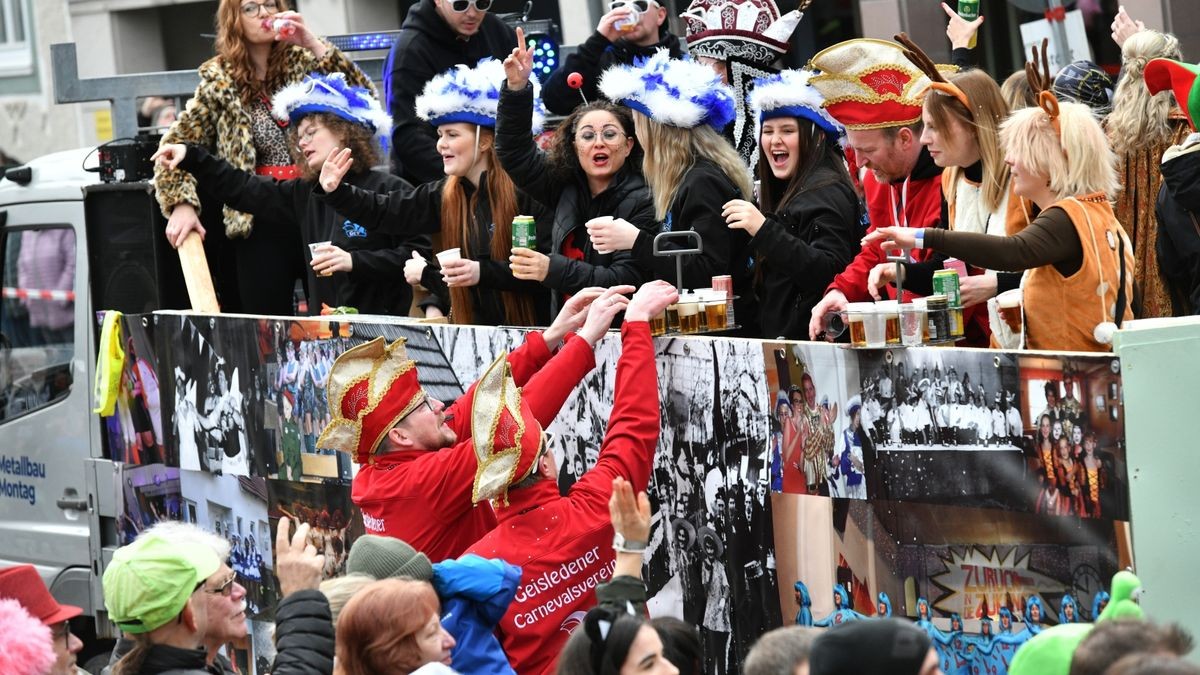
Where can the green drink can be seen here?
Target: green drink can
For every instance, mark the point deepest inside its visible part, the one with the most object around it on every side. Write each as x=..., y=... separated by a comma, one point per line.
x=524, y=232
x=969, y=11
x=945, y=282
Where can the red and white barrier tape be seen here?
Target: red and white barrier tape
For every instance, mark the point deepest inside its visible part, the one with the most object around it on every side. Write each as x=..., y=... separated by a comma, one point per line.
x=36, y=294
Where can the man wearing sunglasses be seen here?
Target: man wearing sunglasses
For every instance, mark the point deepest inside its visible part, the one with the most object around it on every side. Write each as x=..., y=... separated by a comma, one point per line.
x=617, y=40
x=435, y=36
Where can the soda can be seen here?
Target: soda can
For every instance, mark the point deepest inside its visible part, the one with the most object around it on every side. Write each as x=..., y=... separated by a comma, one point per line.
x=945, y=282
x=524, y=232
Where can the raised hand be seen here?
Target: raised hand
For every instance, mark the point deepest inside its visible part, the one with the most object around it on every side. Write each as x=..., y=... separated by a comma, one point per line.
x=650, y=300
x=602, y=312
x=630, y=515
x=519, y=64
x=334, y=169
x=1123, y=26
x=169, y=155
x=297, y=563
x=572, y=315
x=607, y=26
x=959, y=30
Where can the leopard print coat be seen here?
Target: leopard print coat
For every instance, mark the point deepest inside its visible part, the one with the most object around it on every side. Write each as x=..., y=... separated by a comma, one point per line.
x=216, y=119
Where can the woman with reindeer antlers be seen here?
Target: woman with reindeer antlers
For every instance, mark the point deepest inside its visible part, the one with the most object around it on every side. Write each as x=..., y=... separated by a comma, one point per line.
x=1080, y=279
x=962, y=115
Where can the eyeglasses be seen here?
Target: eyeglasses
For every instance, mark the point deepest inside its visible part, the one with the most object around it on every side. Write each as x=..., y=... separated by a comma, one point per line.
x=307, y=136
x=639, y=5
x=425, y=402
x=609, y=135
x=460, y=6
x=61, y=631
x=225, y=589
x=253, y=9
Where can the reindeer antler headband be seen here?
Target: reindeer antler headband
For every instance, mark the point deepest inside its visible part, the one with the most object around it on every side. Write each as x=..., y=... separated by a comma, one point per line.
x=937, y=81
x=1038, y=73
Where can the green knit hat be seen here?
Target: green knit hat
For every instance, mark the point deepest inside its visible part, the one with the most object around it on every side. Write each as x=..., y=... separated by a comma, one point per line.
x=1050, y=651
x=149, y=581
x=387, y=557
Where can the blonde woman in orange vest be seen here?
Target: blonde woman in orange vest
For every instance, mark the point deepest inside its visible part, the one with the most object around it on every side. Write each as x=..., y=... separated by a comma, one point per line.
x=1080, y=264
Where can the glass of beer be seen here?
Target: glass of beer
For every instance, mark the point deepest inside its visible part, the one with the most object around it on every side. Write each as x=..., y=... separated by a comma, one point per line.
x=1009, y=305
x=689, y=315
x=891, y=317
x=658, y=324
x=856, y=317
x=672, y=314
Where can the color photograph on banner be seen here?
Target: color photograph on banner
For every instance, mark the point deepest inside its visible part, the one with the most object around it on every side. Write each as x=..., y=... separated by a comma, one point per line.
x=235, y=509
x=1075, y=436
x=943, y=426
x=334, y=523
x=150, y=494
x=814, y=445
x=217, y=382
x=134, y=432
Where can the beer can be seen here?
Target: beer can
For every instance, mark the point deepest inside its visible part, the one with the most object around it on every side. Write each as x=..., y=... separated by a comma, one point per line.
x=524, y=232
x=945, y=282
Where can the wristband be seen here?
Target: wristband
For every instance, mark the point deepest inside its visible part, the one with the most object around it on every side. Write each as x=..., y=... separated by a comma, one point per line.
x=623, y=545
x=920, y=238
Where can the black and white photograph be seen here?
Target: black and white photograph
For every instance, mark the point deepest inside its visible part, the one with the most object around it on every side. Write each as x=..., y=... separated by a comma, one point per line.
x=217, y=380
x=150, y=494
x=262, y=646
x=235, y=508
x=334, y=523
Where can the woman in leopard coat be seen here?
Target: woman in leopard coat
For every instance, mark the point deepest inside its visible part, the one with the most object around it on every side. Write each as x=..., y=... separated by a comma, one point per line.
x=261, y=47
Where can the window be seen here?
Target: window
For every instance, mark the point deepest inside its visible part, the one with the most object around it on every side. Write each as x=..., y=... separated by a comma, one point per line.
x=16, y=48
x=37, y=319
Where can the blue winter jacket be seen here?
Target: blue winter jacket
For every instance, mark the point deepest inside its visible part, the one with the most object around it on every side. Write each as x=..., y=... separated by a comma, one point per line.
x=475, y=593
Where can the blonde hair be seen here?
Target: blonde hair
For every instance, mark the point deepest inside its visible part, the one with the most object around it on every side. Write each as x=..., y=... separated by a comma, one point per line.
x=671, y=151
x=1017, y=93
x=1079, y=163
x=339, y=590
x=988, y=110
x=1139, y=119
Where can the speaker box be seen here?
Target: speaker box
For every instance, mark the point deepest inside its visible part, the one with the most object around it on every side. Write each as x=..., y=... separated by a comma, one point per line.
x=133, y=267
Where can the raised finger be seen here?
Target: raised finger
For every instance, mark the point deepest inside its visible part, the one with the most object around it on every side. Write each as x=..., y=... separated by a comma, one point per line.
x=949, y=12
x=281, y=533
x=300, y=537
x=521, y=47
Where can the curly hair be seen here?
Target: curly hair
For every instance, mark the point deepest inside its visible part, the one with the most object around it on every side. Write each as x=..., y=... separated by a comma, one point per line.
x=1139, y=119
x=231, y=48
x=563, y=159
x=361, y=141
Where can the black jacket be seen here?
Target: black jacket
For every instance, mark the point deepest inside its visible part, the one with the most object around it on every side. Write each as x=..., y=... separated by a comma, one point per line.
x=697, y=206
x=304, y=638
x=627, y=197
x=165, y=660
x=426, y=47
x=801, y=247
x=590, y=60
x=376, y=283
x=1178, y=212
x=418, y=210
x=221, y=665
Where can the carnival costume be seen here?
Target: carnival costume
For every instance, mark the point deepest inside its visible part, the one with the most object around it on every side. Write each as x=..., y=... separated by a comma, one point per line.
x=750, y=37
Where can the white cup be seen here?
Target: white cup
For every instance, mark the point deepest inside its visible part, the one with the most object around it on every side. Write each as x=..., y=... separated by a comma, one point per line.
x=315, y=249
x=449, y=255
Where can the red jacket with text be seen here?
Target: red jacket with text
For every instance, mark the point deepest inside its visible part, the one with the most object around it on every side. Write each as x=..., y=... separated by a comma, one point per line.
x=920, y=198
x=424, y=497
x=564, y=544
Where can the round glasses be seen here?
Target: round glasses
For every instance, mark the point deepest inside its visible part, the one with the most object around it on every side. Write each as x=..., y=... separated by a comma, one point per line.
x=610, y=136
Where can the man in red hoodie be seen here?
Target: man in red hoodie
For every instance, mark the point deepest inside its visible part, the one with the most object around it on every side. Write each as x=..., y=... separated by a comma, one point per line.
x=565, y=544
x=876, y=93
x=416, y=454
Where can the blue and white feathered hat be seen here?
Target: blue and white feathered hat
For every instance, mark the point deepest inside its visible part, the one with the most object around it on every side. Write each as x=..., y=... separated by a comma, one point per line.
x=789, y=94
x=675, y=92
x=465, y=94
x=319, y=93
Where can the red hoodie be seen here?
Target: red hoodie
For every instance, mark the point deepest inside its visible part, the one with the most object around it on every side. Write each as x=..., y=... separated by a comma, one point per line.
x=920, y=198
x=424, y=497
x=564, y=544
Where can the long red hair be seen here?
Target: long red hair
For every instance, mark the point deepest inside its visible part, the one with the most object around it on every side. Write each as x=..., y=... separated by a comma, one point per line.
x=377, y=629
x=231, y=49
x=457, y=217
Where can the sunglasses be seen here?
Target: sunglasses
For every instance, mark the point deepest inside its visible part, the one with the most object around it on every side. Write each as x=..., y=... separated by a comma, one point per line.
x=461, y=6
x=639, y=5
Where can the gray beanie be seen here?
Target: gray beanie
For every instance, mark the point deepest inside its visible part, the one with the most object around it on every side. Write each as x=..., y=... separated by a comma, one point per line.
x=387, y=557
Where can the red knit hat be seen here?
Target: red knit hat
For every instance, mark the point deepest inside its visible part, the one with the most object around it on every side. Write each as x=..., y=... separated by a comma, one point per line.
x=506, y=435
x=25, y=585
x=1180, y=78
x=371, y=388
x=870, y=84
